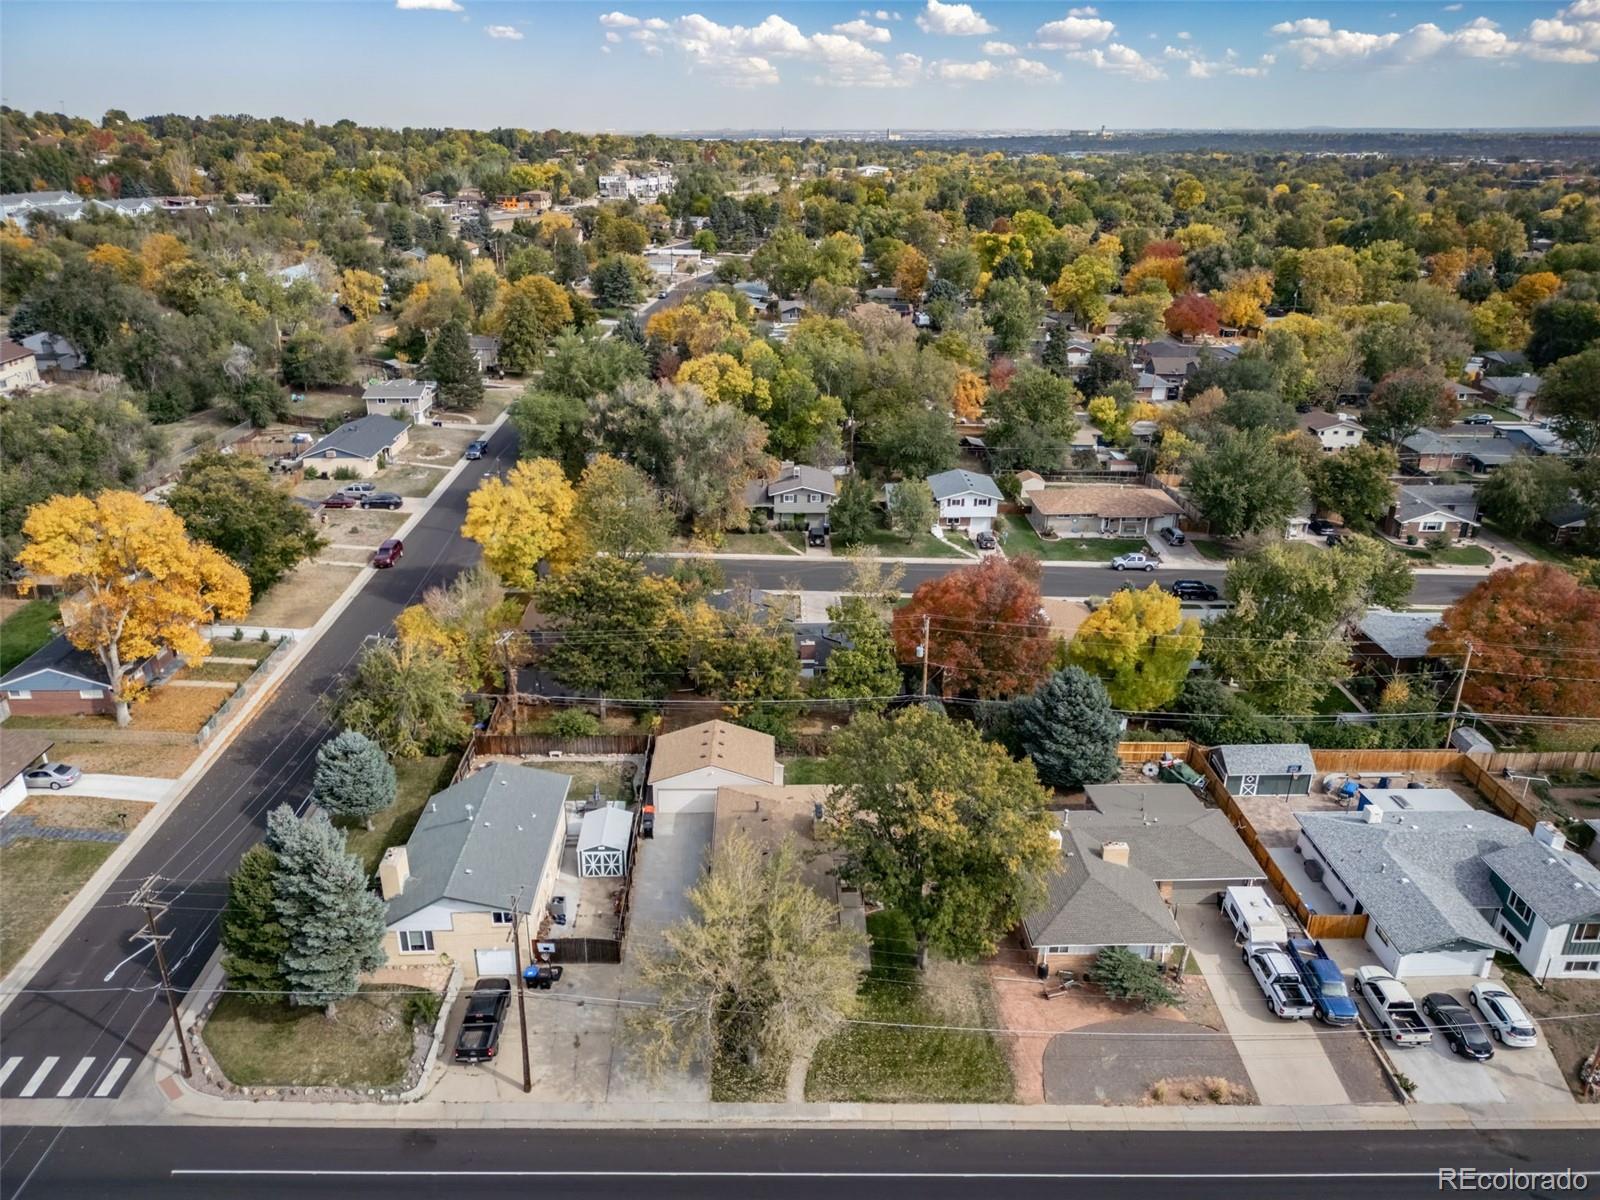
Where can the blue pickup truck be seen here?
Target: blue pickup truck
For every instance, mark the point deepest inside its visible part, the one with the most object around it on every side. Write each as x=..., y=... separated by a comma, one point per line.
x=1325, y=981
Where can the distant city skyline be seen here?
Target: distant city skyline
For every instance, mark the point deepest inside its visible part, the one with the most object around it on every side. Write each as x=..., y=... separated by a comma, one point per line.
x=822, y=66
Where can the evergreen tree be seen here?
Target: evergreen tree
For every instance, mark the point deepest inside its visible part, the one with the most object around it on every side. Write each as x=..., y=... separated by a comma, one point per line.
x=253, y=940
x=354, y=777
x=1068, y=729
x=1054, y=356
x=450, y=362
x=1123, y=975
x=333, y=924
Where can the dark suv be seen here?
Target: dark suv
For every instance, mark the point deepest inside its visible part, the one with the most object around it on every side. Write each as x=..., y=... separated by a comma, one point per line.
x=381, y=500
x=480, y=1025
x=1194, y=589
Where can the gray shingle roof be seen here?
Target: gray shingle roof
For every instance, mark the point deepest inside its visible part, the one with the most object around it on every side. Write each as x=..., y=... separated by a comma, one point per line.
x=1399, y=635
x=1273, y=758
x=364, y=437
x=1171, y=836
x=397, y=389
x=1512, y=385
x=1421, y=875
x=1095, y=903
x=954, y=483
x=1458, y=502
x=517, y=812
x=803, y=478
x=1558, y=885
x=56, y=666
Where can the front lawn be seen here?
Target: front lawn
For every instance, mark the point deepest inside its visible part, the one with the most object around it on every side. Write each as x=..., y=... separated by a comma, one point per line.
x=1533, y=547
x=26, y=630
x=366, y=1044
x=1021, y=539
x=891, y=545
x=38, y=878
x=881, y=1062
x=416, y=779
x=1575, y=1031
x=754, y=543
x=1454, y=556
x=1211, y=549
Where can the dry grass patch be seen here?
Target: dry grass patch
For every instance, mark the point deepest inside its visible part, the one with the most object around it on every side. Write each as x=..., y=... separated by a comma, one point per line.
x=367, y=1043
x=83, y=812
x=1571, y=1039
x=127, y=758
x=1212, y=1089
x=300, y=598
x=38, y=878
x=178, y=710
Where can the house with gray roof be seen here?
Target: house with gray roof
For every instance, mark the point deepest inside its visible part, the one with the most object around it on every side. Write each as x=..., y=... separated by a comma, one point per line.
x=60, y=680
x=1476, y=448
x=363, y=445
x=1513, y=391
x=1444, y=890
x=498, y=833
x=797, y=496
x=411, y=397
x=1394, y=641
x=966, y=499
x=1423, y=511
x=1275, y=769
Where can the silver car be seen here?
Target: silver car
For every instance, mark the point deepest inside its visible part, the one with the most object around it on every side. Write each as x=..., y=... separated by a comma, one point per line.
x=53, y=776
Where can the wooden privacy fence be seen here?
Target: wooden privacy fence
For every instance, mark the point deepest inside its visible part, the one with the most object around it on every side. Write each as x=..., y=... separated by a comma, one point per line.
x=538, y=744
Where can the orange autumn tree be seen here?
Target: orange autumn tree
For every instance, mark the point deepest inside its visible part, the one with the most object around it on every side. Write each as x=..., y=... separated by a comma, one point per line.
x=986, y=634
x=1535, y=635
x=136, y=583
x=971, y=391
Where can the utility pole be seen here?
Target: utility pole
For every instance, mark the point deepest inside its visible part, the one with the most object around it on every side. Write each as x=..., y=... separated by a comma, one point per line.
x=1455, y=708
x=145, y=898
x=522, y=990
x=924, y=650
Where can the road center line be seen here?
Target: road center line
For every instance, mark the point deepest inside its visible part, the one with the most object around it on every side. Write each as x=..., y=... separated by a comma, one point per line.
x=312, y=1172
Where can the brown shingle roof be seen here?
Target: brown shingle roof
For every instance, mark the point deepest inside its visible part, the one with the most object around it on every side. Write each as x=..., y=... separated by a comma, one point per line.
x=11, y=352
x=18, y=750
x=746, y=752
x=1103, y=500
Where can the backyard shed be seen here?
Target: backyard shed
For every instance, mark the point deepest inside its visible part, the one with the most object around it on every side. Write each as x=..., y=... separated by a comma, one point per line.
x=1279, y=769
x=603, y=841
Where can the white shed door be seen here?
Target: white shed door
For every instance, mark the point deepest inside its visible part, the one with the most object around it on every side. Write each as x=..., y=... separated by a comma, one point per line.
x=496, y=962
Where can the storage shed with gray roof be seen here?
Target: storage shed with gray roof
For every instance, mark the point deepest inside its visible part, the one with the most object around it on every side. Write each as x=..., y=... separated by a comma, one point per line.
x=1276, y=769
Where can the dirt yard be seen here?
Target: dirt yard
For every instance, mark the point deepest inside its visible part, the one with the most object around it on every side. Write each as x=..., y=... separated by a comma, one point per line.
x=126, y=758
x=441, y=447
x=1571, y=1041
x=302, y=596
x=83, y=812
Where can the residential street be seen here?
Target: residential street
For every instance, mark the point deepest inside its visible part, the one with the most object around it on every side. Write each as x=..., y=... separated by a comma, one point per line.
x=176, y=1162
x=92, y=1011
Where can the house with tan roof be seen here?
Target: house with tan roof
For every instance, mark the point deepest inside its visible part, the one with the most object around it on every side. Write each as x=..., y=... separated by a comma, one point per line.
x=688, y=766
x=1101, y=510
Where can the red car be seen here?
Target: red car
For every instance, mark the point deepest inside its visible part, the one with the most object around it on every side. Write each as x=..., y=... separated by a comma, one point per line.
x=340, y=500
x=388, y=553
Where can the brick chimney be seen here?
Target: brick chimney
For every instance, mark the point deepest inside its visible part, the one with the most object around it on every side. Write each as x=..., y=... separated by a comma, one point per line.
x=1115, y=853
x=393, y=871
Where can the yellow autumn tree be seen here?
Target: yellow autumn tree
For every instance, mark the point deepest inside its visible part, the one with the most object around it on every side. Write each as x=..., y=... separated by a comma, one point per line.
x=726, y=380
x=158, y=254
x=522, y=521
x=911, y=274
x=1243, y=303
x=137, y=584
x=1533, y=289
x=360, y=292
x=971, y=391
x=1140, y=644
x=700, y=325
x=118, y=260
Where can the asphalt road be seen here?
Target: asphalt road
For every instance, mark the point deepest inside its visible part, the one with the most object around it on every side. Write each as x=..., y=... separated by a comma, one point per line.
x=243, y=1163
x=92, y=1011
x=825, y=575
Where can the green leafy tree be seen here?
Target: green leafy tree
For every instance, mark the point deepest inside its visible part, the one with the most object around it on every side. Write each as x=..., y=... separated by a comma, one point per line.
x=617, y=630
x=408, y=701
x=231, y=502
x=619, y=512
x=1405, y=401
x=550, y=425
x=619, y=280
x=333, y=923
x=1523, y=492
x=1570, y=395
x=854, y=514
x=758, y=972
x=354, y=778
x=450, y=362
x=1123, y=975
x=1032, y=422
x=912, y=511
x=1013, y=309
x=585, y=367
x=941, y=824
x=745, y=654
x=1562, y=328
x=253, y=939
x=863, y=666
x=1068, y=730
x=1357, y=483
x=1245, y=482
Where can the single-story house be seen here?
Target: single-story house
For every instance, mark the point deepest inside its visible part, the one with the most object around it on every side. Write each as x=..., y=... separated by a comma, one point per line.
x=1101, y=510
x=1535, y=438
x=1496, y=360
x=363, y=445
x=755, y=291
x=1396, y=642
x=966, y=500
x=1335, y=431
x=496, y=834
x=1444, y=890
x=413, y=397
x=1423, y=512
x=1566, y=522
x=19, y=369
x=20, y=750
x=52, y=352
x=1153, y=389
x=1260, y=769
x=59, y=680
x=1476, y=448
x=485, y=349
x=687, y=766
x=797, y=496
x=1512, y=391
x=1078, y=352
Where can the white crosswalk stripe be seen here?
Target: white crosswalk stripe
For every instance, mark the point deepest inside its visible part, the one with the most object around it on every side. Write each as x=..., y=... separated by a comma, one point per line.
x=110, y=1081
x=78, y=1072
x=39, y=1076
x=10, y=1066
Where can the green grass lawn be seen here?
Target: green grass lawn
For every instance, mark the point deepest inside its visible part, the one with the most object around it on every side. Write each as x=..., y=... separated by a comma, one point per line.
x=416, y=780
x=805, y=770
x=769, y=542
x=882, y=1063
x=38, y=878
x=1455, y=556
x=614, y=779
x=1021, y=539
x=1533, y=547
x=1214, y=550
x=366, y=1044
x=244, y=648
x=891, y=545
x=25, y=630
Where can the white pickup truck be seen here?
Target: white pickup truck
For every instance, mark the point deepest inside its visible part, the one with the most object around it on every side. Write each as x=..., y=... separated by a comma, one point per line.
x=1396, y=1011
x=1279, y=981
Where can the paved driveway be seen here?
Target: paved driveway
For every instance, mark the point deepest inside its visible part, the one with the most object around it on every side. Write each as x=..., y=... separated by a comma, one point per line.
x=1287, y=1062
x=118, y=787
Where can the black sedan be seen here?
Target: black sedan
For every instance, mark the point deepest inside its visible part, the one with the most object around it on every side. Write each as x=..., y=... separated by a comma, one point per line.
x=1461, y=1032
x=1321, y=527
x=381, y=500
x=1194, y=589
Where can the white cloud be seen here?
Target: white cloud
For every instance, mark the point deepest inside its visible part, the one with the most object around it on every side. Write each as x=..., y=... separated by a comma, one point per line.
x=960, y=72
x=1452, y=8
x=1571, y=36
x=504, y=33
x=1316, y=45
x=953, y=20
x=1183, y=35
x=428, y=5
x=613, y=37
x=1199, y=67
x=604, y=49
x=1083, y=12
x=1305, y=27
x=1077, y=29
x=618, y=20
x=1118, y=59
x=863, y=31
x=999, y=49
x=1034, y=72
x=985, y=71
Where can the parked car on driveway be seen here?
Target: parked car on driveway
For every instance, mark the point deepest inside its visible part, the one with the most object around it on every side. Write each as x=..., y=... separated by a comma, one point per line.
x=53, y=776
x=1279, y=981
x=1320, y=526
x=340, y=500
x=1461, y=1033
x=984, y=540
x=388, y=553
x=1173, y=536
x=1137, y=561
x=479, y=1038
x=1398, y=1018
x=1324, y=980
x=381, y=500
x=1508, y=1022
x=359, y=488
x=1194, y=589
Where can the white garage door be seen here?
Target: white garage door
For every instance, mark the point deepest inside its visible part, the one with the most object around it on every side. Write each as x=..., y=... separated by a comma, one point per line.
x=496, y=962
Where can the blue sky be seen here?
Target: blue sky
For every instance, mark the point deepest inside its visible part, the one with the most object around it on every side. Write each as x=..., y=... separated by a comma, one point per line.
x=667, y=67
